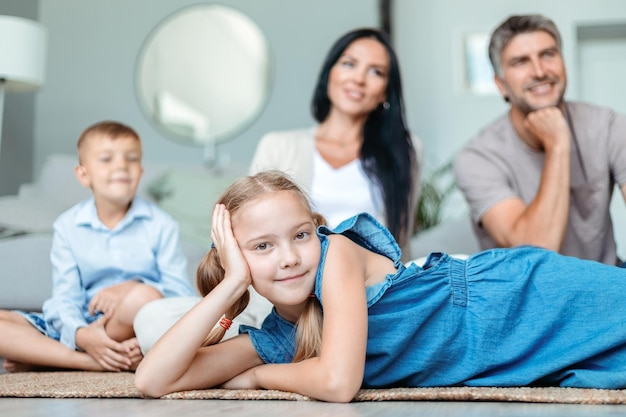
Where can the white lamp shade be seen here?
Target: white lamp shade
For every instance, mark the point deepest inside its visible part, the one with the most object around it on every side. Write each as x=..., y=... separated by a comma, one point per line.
x=22, y=53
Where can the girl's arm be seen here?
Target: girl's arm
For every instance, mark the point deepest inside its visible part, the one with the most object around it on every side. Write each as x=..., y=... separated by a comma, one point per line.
x=337, y=374
x=177, y=362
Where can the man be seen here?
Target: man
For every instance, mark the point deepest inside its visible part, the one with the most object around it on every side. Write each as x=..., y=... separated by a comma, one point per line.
x=544, y=173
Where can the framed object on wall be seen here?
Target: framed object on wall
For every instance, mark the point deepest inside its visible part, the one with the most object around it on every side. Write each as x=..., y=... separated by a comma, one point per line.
x=478, y=72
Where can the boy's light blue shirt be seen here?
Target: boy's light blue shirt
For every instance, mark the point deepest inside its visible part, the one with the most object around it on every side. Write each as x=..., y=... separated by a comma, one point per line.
x=87, y=257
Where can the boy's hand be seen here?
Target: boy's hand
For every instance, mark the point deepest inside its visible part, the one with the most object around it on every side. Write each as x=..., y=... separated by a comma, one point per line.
x=110, y=354
x=134, y=353
x=107, y=299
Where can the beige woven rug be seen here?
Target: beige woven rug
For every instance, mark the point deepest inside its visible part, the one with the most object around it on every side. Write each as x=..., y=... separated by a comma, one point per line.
x=120, y=385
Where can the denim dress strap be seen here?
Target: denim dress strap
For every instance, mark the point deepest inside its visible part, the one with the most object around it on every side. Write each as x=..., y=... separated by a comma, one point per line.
x=364, y=230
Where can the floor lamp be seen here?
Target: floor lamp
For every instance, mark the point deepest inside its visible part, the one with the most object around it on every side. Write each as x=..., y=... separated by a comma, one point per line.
x=22, y=57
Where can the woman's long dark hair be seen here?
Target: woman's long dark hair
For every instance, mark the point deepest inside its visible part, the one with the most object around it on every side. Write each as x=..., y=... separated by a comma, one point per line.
x=387, y=153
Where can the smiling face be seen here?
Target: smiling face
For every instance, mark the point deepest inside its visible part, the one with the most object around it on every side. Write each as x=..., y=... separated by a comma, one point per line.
x=358, y=80
x=533, y=72
x=111, y=168
x=276, y=234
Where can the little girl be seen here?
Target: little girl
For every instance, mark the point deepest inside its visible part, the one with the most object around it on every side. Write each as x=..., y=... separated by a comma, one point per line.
x=503, y=317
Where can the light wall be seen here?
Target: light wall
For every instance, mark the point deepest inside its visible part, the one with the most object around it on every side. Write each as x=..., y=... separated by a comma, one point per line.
x=93, y=48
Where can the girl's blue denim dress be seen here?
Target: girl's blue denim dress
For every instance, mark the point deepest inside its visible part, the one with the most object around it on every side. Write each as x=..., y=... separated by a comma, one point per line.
x=502, y=317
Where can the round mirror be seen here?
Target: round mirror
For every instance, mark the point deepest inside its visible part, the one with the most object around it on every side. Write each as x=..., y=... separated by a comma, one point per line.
x=204, y=74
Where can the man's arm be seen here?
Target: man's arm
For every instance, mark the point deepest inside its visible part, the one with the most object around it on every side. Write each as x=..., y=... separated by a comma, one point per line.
x=543, y=222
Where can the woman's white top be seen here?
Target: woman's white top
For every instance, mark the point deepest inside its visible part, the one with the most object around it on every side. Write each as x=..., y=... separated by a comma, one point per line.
x=292, y=151
x=340, y=193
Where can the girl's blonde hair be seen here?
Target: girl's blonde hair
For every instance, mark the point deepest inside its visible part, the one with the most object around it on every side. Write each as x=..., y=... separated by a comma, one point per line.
x=210, y=272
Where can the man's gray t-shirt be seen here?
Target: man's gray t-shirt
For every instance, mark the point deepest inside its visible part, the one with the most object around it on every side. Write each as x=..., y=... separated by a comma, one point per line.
x=497, y=164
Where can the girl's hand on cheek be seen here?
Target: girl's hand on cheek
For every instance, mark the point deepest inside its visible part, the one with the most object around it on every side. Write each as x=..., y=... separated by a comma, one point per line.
x=231, y=258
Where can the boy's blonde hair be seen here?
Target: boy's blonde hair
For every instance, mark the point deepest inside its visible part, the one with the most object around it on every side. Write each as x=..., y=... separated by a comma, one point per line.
x=111, y=129
x=210, y=272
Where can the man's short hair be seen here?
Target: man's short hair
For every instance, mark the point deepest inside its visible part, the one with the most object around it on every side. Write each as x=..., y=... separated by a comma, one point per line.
x=514, y=26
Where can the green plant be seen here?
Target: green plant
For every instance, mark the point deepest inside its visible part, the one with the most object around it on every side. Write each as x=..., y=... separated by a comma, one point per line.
x=435, y=190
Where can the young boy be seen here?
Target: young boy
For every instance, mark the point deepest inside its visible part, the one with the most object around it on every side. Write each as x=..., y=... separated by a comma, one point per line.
x=111, y=255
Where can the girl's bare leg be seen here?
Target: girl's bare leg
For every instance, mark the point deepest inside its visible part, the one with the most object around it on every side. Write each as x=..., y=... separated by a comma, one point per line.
x=24, y=348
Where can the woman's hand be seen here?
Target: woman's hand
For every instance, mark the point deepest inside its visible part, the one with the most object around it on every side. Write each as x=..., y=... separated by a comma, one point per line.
x=230, y=255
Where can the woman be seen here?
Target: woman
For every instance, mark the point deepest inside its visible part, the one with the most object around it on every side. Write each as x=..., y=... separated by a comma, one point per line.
x=361, y=156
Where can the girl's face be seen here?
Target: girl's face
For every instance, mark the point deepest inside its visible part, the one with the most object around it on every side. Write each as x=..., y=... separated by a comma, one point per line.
x=277, y=237
x=358, y=81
